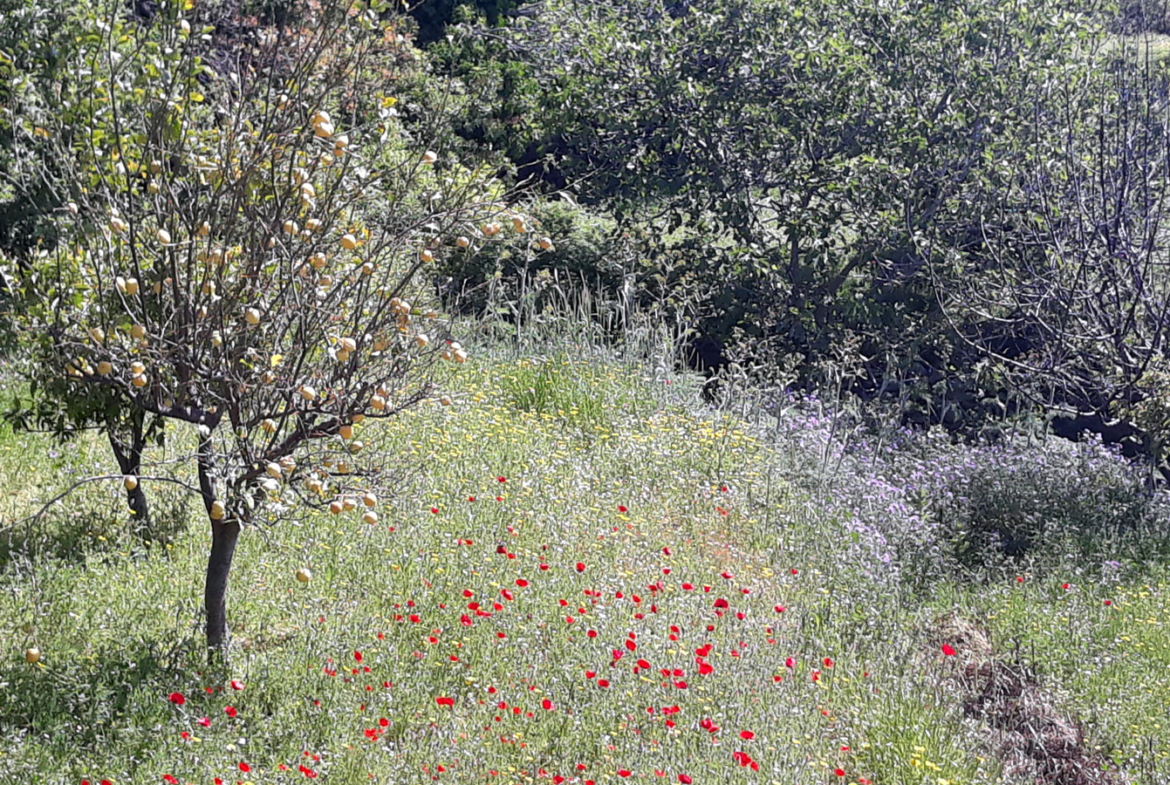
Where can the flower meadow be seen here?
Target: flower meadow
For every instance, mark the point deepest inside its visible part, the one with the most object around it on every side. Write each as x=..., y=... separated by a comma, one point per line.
x=586, y=576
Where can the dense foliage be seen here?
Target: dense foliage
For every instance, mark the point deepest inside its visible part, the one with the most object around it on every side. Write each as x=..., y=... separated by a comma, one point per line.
x=906, y=189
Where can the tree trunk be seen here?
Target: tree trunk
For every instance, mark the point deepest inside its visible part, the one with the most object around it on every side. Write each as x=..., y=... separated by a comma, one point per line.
x=129, y=456
x=224, y=535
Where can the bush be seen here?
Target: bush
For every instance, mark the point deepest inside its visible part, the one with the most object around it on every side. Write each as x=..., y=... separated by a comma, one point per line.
x=586, y=251
x=920, y=507
x=1010, y=504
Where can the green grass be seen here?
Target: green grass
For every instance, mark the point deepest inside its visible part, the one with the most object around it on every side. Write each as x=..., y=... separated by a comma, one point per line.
x=1154, y=47
x=536, y=459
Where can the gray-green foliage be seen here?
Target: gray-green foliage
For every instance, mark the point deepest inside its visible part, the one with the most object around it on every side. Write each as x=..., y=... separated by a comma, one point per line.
x=587, y=252
x=818, y=142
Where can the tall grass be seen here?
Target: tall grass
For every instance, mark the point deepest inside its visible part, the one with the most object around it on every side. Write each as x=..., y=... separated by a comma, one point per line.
x=577, y=502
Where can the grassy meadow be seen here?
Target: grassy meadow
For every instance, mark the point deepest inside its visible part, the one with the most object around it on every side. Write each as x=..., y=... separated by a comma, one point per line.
x=585, y=576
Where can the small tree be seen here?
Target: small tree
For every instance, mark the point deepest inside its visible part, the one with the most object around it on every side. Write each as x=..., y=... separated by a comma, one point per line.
x=1066, y=287
x=245, y=252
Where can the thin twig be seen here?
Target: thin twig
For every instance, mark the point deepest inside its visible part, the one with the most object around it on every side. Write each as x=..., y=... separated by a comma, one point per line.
x=36, y=516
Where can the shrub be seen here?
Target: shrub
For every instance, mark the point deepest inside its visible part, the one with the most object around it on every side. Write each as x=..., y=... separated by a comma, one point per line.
x=919, y=506
x=586, y=251
x=1016, y=503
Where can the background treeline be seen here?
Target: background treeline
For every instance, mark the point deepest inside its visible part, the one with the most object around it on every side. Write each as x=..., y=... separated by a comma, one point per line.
x=954, y=207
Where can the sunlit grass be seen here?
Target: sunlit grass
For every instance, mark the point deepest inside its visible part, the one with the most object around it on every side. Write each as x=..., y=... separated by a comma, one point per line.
x=566, y=513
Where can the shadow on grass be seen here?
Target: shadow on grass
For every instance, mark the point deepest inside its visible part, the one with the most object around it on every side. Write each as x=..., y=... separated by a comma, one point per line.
x=89, y=702
x=73, y=535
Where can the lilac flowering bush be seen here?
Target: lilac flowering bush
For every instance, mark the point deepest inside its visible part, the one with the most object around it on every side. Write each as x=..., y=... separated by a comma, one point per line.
x=918, y=506
x=1026, y=500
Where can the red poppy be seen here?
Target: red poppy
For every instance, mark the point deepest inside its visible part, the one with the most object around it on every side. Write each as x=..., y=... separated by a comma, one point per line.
x=445, y=702
x=623, y=772
x=828, y=662
x=236, y=684
x=839, y=772
x=229, y=710
x=204, y=721
x=622, y=508
x=244, y=767
x=684, y=779
x=580, y=567
x=170, y=779
x=742, y=758
x=746, y=735
x=547, y=705
x=177, y=698
x=948, y=650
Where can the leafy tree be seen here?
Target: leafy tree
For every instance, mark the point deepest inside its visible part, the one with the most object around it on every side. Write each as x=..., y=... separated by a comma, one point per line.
x=37, y=44
x=1066, y=290
x=244, y=255
x=802, y=147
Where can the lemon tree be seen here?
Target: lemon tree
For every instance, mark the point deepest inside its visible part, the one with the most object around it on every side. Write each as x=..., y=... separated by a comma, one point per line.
x=244, y=250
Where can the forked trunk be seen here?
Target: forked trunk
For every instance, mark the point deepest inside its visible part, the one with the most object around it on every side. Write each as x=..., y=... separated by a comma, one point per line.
x=128, y=453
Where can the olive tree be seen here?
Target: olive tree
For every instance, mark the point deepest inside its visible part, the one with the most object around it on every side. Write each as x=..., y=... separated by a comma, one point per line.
x=244, y=255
